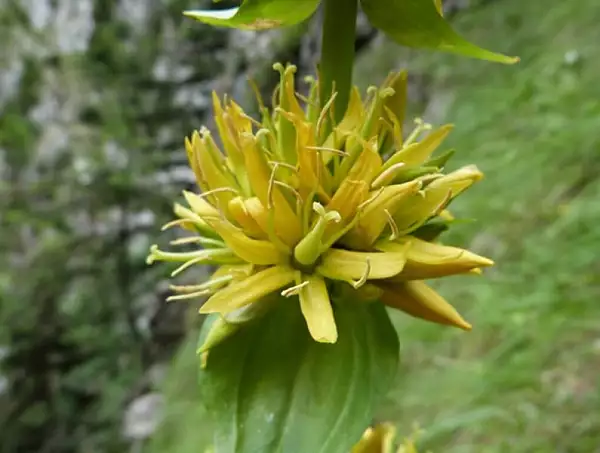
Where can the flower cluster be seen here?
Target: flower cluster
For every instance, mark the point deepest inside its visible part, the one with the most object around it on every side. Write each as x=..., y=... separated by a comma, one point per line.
x=299, y=206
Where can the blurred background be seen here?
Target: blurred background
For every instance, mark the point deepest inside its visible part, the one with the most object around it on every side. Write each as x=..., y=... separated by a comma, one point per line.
x=95, y=99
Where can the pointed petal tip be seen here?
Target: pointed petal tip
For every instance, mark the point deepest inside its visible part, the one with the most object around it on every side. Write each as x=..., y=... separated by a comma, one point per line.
x=464, y=325
x=487, y=262
x=204, y=310
x=326, y=340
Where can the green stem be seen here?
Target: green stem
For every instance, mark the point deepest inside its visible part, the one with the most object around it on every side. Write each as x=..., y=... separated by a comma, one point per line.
x=337, y=52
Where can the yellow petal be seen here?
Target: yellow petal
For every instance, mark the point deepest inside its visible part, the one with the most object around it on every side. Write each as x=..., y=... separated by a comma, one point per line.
x=312, y=174
x=194, y=219
x=238, y=271
x=287, y=223
x=431, y=260
x=346, y=265
x=229, y=144
x=249, y=290
x=286, y=131
x=189, y=149
x=418, y=153
x=199, y=205
x=317, y=311
x=239, y=213
x=432, y=201
x=254, y=251
x=379, y=439
x=396, y=104
x=352, y=119
x=413, y=211
x=212, y=169
x=266, y=220
x=419, y=300
x=354, y=189
x=230, y=124
x=374, y=219
x=458, y=181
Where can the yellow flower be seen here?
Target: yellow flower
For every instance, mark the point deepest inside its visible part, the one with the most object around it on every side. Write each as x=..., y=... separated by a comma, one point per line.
x=380, y=439
x=291, y=205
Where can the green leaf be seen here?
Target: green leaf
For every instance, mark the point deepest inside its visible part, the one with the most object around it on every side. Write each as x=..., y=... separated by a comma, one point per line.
x=271, y=388
x=417, y=23
x=258, y=14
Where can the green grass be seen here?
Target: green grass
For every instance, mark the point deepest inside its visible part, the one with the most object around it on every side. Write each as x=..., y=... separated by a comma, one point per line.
x=527, y=378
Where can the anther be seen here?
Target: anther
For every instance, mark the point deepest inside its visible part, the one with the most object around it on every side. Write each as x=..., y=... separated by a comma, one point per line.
x=294, y=290
x=331, y=150
x=187, y=296
x=387, y=175
x=357, y=284
x=323, y=114
x=421, y=126
x=393, y=226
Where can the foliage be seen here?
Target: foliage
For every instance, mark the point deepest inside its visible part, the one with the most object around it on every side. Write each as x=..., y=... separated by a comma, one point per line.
x=412, y=23
x=271, y=387
x=81, y=319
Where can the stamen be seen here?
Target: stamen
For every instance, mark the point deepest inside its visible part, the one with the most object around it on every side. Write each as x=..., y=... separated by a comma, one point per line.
x=276, y=164
x=252, y=120
x=275, y=94
x=270, y=188
x=440, y=207
x=291, y=189
x=387, y=175
x=331, y=150
x=173, y=223
x=305, y=99
x=188, y=295
x=197, y=240
x=426, y=179
x=357, y=284
x=268, y=134
x=323, y=114
x=386, y=92
x=306, y=212
x=421, y=126
x=294, y=290
x=158, y=255
x=184, y=266
x=368, y=201
x=257, y=94
x=215, y=282
x=393, y=226
x=190, y=258
x=371, y=91
x=273, y=182
x=218, y=190
x=443, y=204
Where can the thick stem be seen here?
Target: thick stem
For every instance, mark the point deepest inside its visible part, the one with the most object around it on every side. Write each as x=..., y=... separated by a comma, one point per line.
x=337, y=52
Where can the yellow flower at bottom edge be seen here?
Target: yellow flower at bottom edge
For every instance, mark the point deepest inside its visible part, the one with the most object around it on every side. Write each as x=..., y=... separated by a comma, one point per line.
x=380, y=439
x=293, y=206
